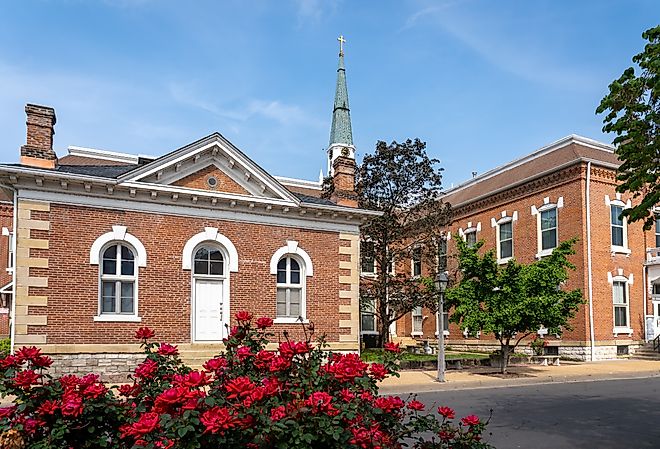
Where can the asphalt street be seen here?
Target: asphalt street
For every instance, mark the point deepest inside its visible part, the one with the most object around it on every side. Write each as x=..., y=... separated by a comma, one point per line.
x=603, y=414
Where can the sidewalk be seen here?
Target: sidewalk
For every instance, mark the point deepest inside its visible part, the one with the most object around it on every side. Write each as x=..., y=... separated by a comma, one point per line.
x=485, y=377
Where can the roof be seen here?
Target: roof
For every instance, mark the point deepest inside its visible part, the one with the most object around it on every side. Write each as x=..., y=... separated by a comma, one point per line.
x=102, y=171
x=567, y=151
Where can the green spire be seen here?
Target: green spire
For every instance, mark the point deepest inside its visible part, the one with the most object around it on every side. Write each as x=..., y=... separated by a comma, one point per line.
x=341, y=132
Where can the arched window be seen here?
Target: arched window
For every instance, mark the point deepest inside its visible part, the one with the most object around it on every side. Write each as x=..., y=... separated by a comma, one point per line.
x=290, y=291
x=118, y=280
x=209, y=261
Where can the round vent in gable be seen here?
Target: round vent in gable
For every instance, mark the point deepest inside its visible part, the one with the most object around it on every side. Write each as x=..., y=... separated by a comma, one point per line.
x=212, y=182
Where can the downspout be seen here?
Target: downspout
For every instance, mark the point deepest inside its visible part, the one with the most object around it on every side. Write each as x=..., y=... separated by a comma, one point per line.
x=12, y=329
x=589, y=272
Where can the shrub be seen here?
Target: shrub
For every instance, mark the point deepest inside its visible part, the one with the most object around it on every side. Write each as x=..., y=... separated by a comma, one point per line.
x=298, y=397
x=5, y=347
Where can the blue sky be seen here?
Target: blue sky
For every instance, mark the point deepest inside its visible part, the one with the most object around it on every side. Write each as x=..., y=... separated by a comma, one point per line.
x=482, y=82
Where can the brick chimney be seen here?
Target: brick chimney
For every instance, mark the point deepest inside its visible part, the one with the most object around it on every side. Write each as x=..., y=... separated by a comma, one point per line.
x=344, y=182
x=38, y=150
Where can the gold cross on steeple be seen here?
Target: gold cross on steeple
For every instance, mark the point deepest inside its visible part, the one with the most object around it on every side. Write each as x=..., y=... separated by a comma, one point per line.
x=341, y=44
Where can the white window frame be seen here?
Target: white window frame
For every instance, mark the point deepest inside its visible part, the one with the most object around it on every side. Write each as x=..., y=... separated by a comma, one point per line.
x=119, y=235
x=497, y=223
x=627, y=281
x=445, y=255
x=618, y=249
x=469, y=230
x=293, y=249
x=375, y=269
x=287, y=286
x=445, y=322
x=415, y=250
x=420, y=315
x=118, y=279
x=371, y=311
x=547, y=205
x=10, y=249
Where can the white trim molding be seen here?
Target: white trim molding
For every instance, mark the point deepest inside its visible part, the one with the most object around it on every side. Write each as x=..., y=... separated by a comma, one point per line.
x=547, y=205
x=628, y=281
x=209, y=235
x=618, y=249
x=496, y=223
x=292, y=247
x=119, y=234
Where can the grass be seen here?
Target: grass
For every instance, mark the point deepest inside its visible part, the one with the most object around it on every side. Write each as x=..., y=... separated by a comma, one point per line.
x=375, y=355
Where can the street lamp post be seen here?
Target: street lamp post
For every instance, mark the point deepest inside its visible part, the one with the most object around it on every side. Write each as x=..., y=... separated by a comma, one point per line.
x=441, y=281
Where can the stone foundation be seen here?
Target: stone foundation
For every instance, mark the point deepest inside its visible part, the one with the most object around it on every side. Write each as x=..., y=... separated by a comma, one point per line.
x=111, y=367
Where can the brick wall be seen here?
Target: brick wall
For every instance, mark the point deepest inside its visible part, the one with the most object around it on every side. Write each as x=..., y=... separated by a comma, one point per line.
x=164, y=288
x=570, y=184
x=199, y=180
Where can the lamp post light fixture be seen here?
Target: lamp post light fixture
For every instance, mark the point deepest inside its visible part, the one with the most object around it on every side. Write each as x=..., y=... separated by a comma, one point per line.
x=441, y=281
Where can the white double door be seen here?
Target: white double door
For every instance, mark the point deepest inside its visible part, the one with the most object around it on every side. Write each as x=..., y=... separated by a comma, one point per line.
x=209, y=310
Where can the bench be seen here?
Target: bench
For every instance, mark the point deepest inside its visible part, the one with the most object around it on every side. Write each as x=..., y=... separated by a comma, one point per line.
x=544, y=359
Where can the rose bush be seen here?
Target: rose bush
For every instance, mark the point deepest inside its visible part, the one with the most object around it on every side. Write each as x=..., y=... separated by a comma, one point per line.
x=300, y=396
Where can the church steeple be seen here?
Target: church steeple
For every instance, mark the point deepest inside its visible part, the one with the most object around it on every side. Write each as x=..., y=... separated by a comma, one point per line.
x=341, y=134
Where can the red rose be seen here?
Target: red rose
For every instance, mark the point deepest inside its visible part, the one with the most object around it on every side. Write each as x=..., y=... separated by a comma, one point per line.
x=25, y=379
x=147, y=423
x=470, y=420
x=392, y=347
x=72, y=404
x=165, y=444
x=346, y=395
x=144, y=333
x=43, y=361
x=10, y=361
x=378, y=371
x=321, y=402
x=243, y=353
x=279, y=363
x=264, y=322
x=47, y=407
x=146, y=369
x=446, y=435
x=28, y=353
x=129, y=390
x=7, y=412
x=239, y=388
x=167, y=349
x=271, y=386
x=215, y=364
x=243, y=316
x=195, y=379
x=169, y=397
x=69, y=382
x=94, y=391
x=447, y=412
x=30, y=425
x=415, y=405
x=217, y=419
x=278, y=413
x=389, y=404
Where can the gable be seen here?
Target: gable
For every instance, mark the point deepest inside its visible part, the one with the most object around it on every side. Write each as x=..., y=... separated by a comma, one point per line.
x=203, y=178
x=191, y=166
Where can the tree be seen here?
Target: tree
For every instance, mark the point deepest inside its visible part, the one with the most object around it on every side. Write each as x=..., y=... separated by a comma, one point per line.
x=632, y=110
x=401, y=181
x=515, y=300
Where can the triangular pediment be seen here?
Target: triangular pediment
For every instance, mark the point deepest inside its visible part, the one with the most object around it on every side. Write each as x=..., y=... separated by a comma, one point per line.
x=211, y=164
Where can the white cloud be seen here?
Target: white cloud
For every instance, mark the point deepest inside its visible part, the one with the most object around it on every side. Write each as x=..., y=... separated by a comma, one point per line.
x=314, y=10
x=505, y=47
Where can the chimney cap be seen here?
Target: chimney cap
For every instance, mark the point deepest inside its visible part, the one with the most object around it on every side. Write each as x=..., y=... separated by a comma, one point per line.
x=37, y=109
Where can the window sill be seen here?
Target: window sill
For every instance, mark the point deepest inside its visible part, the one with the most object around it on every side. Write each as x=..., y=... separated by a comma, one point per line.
x=622, y=330
x=368, y=274
x=287, y=320
x=417, y=334
x=620, y=250
x=544, y=253
x=369, y=332
x=504, y=261
x=119, y=318
x=446, y=333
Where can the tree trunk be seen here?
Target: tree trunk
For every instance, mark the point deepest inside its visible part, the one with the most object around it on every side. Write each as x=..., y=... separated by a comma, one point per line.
x=505, y=357
x=383, y=334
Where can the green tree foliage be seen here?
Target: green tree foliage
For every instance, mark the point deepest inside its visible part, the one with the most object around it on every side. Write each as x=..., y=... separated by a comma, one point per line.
x=512, y=301
x=400, y=180
x=632, y=109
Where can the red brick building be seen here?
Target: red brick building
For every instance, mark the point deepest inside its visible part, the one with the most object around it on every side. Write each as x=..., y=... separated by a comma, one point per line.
x=109, y=242
x=524, y=208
